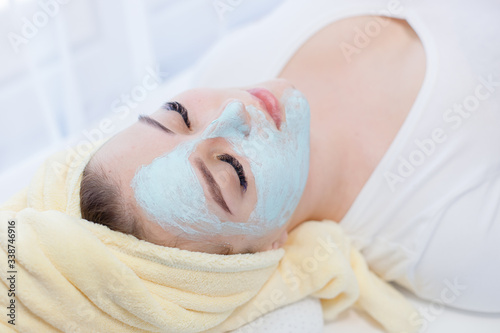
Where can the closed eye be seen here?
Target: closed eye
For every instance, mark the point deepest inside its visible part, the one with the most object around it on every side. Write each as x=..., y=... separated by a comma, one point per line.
x=178, y=107
x=237, y=167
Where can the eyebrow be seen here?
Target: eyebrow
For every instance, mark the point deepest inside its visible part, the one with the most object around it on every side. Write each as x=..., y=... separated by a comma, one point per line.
x=214, y=187
x=150, y=121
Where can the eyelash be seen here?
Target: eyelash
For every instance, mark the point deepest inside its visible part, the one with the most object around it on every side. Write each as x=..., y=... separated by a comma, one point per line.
x=237, y=167
x=177, y=107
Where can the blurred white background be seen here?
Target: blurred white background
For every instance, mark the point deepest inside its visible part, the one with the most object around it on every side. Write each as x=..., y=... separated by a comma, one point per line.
x=65, y=64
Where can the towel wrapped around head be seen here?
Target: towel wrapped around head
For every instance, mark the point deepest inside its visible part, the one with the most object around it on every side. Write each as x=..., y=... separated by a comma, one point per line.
x=72, y=275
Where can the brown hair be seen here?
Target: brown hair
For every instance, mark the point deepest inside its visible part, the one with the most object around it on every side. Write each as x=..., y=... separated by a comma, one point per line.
x=101, y=202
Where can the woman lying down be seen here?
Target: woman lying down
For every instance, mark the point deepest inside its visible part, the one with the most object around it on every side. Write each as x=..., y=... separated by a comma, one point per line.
x=187, y=221
x=226, y=204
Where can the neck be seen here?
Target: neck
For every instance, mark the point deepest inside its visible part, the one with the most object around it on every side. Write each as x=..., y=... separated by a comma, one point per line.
x=356, y=110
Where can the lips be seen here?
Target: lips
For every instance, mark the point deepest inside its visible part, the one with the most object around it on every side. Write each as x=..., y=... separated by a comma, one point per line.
x=270, y=103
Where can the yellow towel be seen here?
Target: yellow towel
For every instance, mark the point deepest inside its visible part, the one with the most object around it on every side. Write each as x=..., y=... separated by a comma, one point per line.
x=72, y=275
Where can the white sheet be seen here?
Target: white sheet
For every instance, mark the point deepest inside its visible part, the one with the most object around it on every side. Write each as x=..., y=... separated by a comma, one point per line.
x=437, y=319
x=306, y=316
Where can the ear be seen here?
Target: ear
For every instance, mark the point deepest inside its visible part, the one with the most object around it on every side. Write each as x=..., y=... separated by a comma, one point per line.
x=280, y=241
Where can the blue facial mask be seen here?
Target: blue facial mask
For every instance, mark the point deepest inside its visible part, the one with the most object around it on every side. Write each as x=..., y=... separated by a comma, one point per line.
x=172, y=195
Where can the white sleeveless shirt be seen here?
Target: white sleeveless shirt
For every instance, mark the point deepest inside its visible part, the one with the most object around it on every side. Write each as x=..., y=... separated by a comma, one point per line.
x=428, y=218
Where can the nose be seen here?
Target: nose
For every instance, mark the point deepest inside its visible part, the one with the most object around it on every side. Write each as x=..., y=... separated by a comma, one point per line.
x=234, y=122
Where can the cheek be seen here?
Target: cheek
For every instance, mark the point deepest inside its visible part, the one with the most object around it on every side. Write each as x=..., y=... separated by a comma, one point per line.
x=281, y=166
x=241, y=202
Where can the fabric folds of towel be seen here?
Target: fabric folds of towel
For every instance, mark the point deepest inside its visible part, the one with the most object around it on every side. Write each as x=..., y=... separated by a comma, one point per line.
x=72, y=275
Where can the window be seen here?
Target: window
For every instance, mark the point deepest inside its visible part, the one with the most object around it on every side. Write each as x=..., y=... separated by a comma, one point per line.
x=64, y=63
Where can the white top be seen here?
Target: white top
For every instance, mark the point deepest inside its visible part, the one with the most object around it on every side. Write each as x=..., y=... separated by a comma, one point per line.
x=428, y=217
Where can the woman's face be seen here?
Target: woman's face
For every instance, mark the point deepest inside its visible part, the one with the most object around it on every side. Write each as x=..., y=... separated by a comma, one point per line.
x=216, y=167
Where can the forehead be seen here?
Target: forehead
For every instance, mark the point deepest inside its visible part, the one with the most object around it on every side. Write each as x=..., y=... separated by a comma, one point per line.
x=137, y=145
